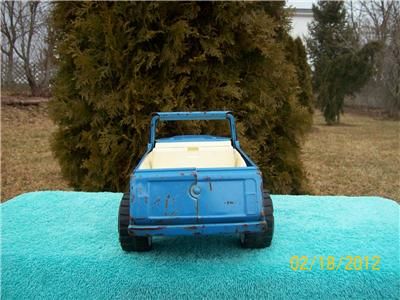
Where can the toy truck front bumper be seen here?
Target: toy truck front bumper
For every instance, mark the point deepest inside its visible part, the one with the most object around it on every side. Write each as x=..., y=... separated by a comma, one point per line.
x=197, y=229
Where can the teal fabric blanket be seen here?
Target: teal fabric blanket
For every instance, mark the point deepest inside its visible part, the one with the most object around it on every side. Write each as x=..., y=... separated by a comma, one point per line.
x=64, y=245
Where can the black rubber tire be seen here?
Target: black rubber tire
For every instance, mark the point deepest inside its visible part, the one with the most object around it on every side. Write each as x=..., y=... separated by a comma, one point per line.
x=130, y=243
x=261, y=239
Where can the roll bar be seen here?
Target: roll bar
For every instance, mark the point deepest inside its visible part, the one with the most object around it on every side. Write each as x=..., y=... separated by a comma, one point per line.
x=195, y=116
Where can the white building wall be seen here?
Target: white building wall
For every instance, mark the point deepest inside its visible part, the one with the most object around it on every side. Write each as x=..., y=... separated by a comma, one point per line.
x=299, y=25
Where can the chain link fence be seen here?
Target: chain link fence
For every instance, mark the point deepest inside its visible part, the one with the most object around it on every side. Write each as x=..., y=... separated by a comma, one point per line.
x=14, y=79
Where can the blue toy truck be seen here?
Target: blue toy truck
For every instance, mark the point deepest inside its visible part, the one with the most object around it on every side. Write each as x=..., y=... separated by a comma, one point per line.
x=195, y=185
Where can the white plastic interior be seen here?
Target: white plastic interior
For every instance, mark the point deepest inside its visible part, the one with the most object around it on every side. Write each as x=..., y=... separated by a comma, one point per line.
x=216, y=154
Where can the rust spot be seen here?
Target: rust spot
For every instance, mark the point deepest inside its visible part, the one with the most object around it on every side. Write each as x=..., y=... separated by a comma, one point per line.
x=173, y=213
x=195, y=177
x=157, y=202
x=145, y=199
x=193, y=227
x=181, y=173
x=166, y=201
x=208, y=178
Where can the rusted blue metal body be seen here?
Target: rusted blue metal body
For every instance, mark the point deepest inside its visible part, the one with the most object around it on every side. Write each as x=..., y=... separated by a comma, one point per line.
x=187, y=201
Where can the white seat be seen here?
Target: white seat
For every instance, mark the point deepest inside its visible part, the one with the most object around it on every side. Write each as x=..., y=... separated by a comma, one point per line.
x=217, y=154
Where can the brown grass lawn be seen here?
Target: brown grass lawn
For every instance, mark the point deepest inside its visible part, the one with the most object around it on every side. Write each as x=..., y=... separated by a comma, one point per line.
x=359, y=157
x=27, y=163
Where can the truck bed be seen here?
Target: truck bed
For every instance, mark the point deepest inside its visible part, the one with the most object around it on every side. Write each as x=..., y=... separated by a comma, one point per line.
x=193, y=154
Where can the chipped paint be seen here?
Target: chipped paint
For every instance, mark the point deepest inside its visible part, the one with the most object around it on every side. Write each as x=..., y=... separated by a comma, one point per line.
x=208, y=178
x=166, y=201
x=195, y=177
x=193, y=227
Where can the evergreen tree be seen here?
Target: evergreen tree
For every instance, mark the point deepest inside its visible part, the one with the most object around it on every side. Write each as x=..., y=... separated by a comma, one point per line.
x=121, y=61
x=340, y=67
x=297, y=54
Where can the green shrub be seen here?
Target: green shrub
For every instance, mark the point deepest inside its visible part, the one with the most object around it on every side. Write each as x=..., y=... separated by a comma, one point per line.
x=121, y=61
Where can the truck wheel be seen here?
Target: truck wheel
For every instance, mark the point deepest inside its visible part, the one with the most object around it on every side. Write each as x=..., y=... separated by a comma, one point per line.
x=130, y=243
x=261, y=239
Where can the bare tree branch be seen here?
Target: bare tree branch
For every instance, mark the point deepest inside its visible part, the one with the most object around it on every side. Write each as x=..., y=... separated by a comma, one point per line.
x=380, y=21
x=24, y=26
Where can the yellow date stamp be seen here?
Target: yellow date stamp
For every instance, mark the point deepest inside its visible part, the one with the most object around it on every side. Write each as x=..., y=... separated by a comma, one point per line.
x=333, y=263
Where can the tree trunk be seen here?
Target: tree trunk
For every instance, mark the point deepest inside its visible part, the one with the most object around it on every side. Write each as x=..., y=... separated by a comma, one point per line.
x=9, y=80
x=35, y=89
